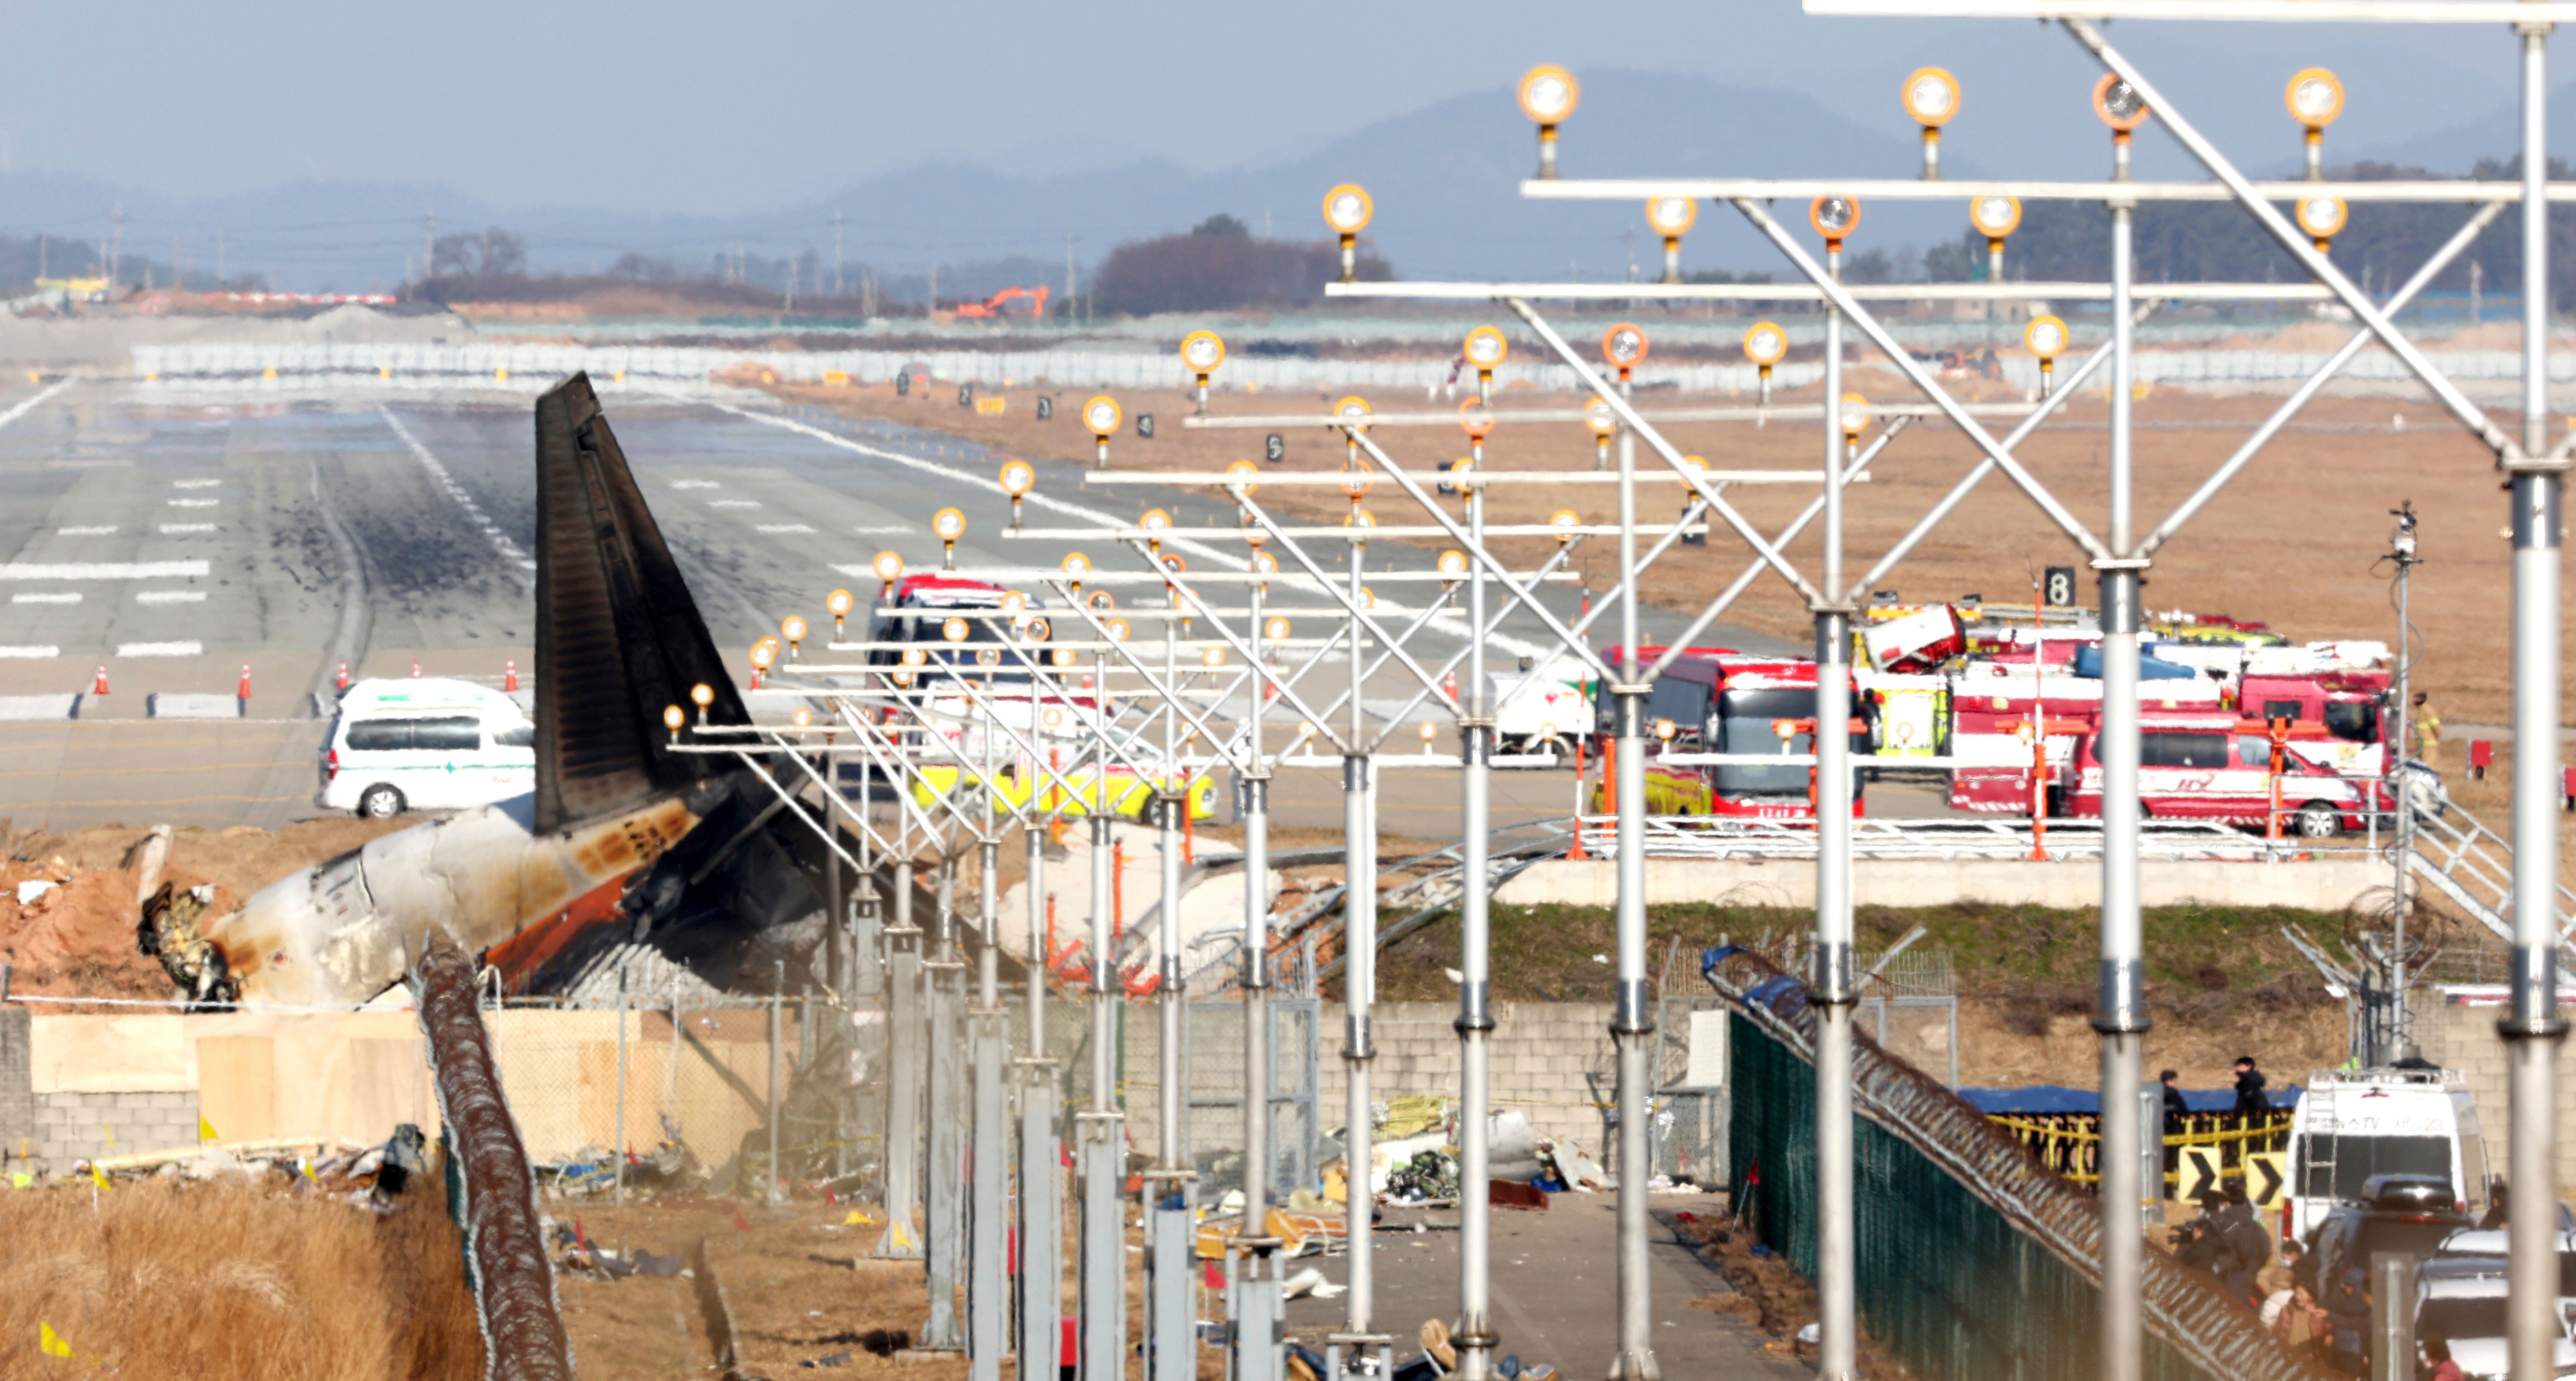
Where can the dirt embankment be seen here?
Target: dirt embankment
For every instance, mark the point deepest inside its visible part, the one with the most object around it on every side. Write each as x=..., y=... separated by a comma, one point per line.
x=69, y=905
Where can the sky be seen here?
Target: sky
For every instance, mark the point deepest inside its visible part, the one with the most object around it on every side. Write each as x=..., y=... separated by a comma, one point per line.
x=653, y=107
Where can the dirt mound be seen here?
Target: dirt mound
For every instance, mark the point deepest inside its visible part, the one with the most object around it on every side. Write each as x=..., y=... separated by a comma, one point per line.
x=73, y=935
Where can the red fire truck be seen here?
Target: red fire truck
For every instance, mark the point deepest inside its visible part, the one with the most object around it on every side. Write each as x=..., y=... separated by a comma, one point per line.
x=2215, y=766
x=1722, y=701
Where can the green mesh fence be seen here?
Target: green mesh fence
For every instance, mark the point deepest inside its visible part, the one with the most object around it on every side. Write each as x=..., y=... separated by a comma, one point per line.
x=1945, y=1283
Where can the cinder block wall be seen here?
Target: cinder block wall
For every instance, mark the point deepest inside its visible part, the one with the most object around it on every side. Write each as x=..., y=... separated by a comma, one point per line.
x=77, y=1126
x=17, y=1087
x=2462, y=1035
x=1552, y=1062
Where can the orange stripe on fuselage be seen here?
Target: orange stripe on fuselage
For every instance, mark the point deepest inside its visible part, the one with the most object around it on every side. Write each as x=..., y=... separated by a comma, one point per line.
x=522, y=955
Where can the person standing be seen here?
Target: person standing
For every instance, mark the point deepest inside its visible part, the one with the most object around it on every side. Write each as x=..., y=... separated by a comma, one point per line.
x=2176, y=1110
x=2250, y=1099
x=2428, y=732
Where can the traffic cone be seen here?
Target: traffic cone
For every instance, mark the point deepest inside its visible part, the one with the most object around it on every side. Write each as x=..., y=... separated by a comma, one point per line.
x=101, y=687
x=1449, y=687
x=344, y=676
x=755, y=678
x=415, y=668
x=245, y=684
x=510, y=674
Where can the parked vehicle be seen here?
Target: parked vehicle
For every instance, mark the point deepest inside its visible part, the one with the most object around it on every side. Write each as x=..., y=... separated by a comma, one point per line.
x=918, y=611
x=425, y=743
x=1558, y=708
x=2199, y=765
x=2348, y=703
x=2355, y=1125
x=1722, y=701
x=2462, y=1298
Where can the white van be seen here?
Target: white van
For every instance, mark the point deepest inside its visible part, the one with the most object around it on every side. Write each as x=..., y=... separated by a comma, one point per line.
x=426, y=744
x=1548, y=717
x=2352, y=1124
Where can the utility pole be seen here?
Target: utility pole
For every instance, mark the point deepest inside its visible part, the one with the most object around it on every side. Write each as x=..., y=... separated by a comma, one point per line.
x=934, y=288
x=116, y=253
x=219, y=258
x=1068, y=275
x=836, y=252
x=2401, y=549
x=428, y=247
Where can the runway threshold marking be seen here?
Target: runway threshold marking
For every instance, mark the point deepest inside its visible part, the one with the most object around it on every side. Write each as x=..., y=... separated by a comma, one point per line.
x=103, y=570
x=172, y=649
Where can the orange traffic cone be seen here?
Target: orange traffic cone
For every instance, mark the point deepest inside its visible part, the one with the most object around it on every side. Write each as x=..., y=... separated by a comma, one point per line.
x=1449, y=687
x=245, y=684
x=101, y=687
x=510, y=674
x=755, y=678
x=344, y=676
x=415, y=668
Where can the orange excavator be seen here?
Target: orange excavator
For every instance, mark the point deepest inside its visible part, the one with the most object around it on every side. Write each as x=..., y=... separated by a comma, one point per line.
x=991, y=307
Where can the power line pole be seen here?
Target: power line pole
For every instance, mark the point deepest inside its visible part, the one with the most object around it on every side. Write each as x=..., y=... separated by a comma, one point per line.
x=836, y=252
x=1068, y=275
x=429, y=247
x=219, y=258
x=116, y=254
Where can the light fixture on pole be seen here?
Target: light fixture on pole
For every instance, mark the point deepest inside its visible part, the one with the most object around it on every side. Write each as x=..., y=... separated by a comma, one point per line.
x=1018, y=478
x=1201, y=353
x=1995, y=218
x=1624, y=346
x=1853, y=413
x=1834, y=216
x=2121, y=107
x=1354, y=408
x=888, y=566
x=1766, y=345
x=1486, y=349
x=1672, y=218
x=1548, y=94
x=1347, y=210
x=2315, y=98
x=1604, y=424
x=1698, y=464
x=949, y=524
x=840, y=602
x=1476, y=419
x=793, y=629
x=2045, y=337
x=1931, y=98
x=1102, y=416
x=2322, y=218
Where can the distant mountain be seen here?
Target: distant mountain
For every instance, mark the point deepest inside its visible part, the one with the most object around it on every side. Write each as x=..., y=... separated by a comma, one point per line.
x=1445, y=178
x=2496, y=133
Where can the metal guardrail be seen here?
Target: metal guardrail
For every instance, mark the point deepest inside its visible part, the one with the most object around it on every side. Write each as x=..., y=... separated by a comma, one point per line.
x=2189, y=1311
x=1955, y=837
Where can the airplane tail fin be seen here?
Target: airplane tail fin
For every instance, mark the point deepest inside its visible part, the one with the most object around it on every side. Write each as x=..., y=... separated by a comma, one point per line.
x=619, y=637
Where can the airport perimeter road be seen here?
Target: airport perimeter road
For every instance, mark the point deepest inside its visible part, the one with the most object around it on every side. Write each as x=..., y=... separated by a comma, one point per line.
x=176, y=539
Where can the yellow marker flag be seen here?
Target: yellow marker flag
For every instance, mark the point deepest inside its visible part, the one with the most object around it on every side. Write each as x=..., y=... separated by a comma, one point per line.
x=49, y=1342
x=108, y=1132
x=98, y=1177
x=205, y=1129
x=856, y=1219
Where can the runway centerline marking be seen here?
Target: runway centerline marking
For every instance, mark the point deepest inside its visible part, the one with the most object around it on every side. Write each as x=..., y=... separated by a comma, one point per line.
x=46, y=597
x=106, y=531
x=491, y=531
x=170, y=597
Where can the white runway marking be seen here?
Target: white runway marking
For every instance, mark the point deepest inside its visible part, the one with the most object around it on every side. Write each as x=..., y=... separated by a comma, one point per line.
x=86, y=531
x=194, y=503
x=194, y=484
x=782, y=527
x=102, y=570
x=457, y=492
x=46, y=597
x=29, y=405
x=880, y=531
x=695, y=484
x=735, y=503
x=173, y=529
x=170, y=597
x=31, y=653
x=1222, y=559
x=160, y=649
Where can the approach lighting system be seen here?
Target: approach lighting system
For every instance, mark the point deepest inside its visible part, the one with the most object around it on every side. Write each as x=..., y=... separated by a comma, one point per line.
x=1548, y=94
x=1240, y=476
x=802, y=719
x=1102, y=416
x=1117, y=629
x=840, y=602
x=1853, y=412
x=1624, y=345
x=1604, y=423
x=1485, y=350
x=2315, y=98
x=2046, y=338
x=1476, y=419
x=1834, y=216
x=949, y=524
x=1766, y=345
x=1462, y=476
x=953, y=629
x=1347, y=210
x=2121, y=107
x=1565, y=521
x=1995, y=218
x=1430, y=733
x=1672, y=218
x=1698, y=465
x=1275, y=628
x=1201, y=353
x=793, y=629
x=1211, y=657
x=672, y=719
x=702, y=695
x=2322, y=218
x=1018, y=478
x=1453, y=563
x=1931, y=99
x=1351, y=412
x=888, y=566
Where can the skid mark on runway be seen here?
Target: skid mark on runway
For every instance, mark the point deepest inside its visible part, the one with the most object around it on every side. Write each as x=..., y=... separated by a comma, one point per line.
x=500, y=540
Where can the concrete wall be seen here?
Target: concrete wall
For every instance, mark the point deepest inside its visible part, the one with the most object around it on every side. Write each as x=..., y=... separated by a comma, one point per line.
x=17, y=1094
x=2327, y=885
x=2457, y=1029
x=92, y=1126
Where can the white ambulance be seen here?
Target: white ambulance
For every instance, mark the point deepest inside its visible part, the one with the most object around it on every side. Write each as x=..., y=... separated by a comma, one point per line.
x=426, y=743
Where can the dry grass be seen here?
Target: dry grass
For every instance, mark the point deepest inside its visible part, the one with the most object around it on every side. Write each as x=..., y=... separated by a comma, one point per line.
x=162, y=1279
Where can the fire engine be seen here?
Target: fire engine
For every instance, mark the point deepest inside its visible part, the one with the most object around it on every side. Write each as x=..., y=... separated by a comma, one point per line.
x=1718, y=700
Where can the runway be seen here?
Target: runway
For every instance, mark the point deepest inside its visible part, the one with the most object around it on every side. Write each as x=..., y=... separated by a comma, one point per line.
x=175, y=542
